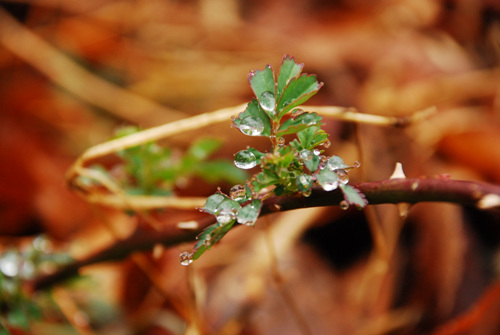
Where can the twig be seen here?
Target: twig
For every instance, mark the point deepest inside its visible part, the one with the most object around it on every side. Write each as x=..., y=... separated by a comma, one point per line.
x=189, y=124
x=77, y=80
x=393, y=191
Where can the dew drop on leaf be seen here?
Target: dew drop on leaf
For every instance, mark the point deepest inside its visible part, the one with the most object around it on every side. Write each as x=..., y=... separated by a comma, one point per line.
x=330, y=186
x=335, y=162
x=252, y=126
x=344, y=205
x=317, y=152
x=268, y=102
x=304, y=182
x=343, y=176
x=328, y=179
x=327, y=144
x=305, y=154
x=9, y=263
x=208, y=241
x=224, y=216
x=237, y=192
x=356, y=164
x=297, y=112
x=281, y=141
x=245, y=159
x=186, y=258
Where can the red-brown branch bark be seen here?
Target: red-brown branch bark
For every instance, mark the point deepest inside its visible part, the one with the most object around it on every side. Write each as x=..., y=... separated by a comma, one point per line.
x=392, y=191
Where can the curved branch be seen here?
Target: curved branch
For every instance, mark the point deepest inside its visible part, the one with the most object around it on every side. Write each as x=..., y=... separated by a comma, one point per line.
x=391, y=191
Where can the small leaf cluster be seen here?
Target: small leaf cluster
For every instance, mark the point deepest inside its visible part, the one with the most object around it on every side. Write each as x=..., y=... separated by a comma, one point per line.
x=291, y=166
x=151, y=169
x=18, y=310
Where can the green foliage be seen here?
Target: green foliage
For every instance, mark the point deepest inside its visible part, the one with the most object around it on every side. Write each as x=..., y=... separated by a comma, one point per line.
x=288, y=168
x=16, y=266
x=151, y=169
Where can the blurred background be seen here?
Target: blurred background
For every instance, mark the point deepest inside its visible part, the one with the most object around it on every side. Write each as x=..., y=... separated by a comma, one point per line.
x=72, y=72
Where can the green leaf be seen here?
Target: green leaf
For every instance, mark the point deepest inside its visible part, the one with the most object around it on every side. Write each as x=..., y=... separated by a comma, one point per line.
x=264, y=179
x=292, y=126
x=288, y=70
x=213, y=201
x=209, y=236
x=203, y=148
x=17, y=318
x=298, y=91
x=306, y=137
x=304, y=183
x=313, y=163
x=264, y=88
x=257, y=154
x=228, y=203
x=353, y=196
x=336, y=163
x=311, y=137
x=262, y=81
x=328, y=179
x=249, y=213
x=254, y=110
x=217, y=170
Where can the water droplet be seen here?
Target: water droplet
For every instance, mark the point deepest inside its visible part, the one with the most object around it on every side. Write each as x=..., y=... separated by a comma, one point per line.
x=224, y=216
x=208, y=241
x=248, y=220
x=237, y=192
x=233, y=118
x=309, y=119
x=27, y=270
x=327, y=144
x=330, y=186
x=42, y=243
x=297, y=112
x=245, y=159
x=9, y=263
x=281, y=141
x=251, y=125
x=343, y=176
x=304, y=182
x=268, y=102
x=327, y=179
x=305, y=154
x=344, y=205
x=186, y=258
x=317, y=152
x=335, y=162
x=357, y=164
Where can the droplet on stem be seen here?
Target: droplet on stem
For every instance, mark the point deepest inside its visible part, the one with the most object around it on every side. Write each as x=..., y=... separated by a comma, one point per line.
x=237, y=192
x=344, y=205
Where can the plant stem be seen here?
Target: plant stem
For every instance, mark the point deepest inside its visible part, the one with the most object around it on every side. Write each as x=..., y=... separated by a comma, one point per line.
x=392, y=191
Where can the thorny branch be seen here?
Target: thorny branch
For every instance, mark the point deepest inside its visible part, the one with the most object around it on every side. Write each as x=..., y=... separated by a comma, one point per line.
x=392, y=191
